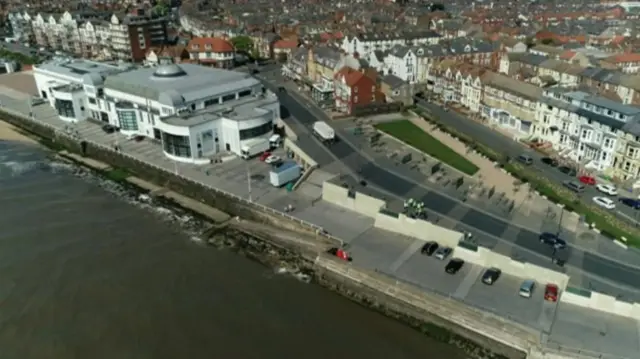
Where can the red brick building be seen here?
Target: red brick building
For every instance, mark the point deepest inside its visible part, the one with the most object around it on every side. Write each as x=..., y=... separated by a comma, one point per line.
x=354, y=88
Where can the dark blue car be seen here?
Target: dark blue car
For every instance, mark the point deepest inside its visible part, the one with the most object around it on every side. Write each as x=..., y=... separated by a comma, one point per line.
x=553, y=240
x=633, y=203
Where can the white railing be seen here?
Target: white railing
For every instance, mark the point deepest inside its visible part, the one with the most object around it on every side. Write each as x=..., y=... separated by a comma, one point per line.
x=318, y=230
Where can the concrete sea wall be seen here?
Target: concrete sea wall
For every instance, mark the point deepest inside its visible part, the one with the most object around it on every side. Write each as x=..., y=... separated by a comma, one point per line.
x=439, y=317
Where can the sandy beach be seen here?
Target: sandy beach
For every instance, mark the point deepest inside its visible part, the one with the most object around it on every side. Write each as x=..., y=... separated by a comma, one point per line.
x=9, y=133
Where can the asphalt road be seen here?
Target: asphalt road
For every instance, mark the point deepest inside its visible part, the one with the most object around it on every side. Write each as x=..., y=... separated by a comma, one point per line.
x=399, y=186
x=512, y=148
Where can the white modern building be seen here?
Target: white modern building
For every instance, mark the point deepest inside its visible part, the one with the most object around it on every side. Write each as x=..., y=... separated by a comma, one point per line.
x=195, y=111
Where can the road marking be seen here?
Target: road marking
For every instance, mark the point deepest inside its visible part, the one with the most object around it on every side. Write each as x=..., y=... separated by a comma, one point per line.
x=468, y=282
x=417, y=244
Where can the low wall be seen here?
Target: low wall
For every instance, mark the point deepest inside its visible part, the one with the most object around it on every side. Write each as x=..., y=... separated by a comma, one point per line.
x=287, y=130
x=601, y=302
x=487, y=258
x=306, y=160
x=224, y=201
x=394, y=222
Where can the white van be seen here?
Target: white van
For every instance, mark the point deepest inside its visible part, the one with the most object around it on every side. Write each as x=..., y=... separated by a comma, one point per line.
x=527, y=288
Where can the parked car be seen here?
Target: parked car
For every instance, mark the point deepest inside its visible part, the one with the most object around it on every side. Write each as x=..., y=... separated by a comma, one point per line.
x=108, y=129
x=429, y=248
x=549, y=161
x=588, y=180
x=551, y=293
x=552, y=239
x=263, y=157
x=607, y=189
x=138, y=138
x=526, y=159
x=526, y=288
x=568, y=170
x=443, y=252
x=454, y=266
x=631, y=202
x=273, y=159
x=491, y=275
x=574, y=186
x=604, y=202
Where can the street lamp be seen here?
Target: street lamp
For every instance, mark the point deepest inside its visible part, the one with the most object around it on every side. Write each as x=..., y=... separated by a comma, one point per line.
x=249, y=182
x=560, y=220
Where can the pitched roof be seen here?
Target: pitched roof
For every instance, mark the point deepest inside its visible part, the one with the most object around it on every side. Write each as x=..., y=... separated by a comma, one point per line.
x=216, y=44
x=622, y=58
x=351, y=76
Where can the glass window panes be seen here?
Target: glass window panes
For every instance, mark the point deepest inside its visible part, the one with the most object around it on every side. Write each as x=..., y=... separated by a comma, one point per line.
x=128, y=120
x=178, y=146
x=256, y=131
x=65, y=108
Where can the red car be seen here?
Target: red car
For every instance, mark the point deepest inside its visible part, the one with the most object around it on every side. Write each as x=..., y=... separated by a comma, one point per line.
x=587, y=180
x=551, y=293
x=264, y=156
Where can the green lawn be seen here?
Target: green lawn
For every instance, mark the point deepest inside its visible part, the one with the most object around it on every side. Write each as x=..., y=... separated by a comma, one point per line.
x=412, y=135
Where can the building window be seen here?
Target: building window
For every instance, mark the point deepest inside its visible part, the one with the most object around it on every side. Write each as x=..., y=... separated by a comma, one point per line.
x=128, y=120
x=65, y=108
x=244, y=93
x=256, y=131
x=226, y=98
x=178, y=146
x=211, y=102
x=92, y=100
x=355, y=99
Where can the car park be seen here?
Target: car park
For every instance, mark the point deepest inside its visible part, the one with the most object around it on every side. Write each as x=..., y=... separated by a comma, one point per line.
x=429, y=248
x=526, y=159
x=526, y=288
x=568, y=170
x=588, y=180
x=551, y=293
x=607, y=189
x=443, y=252
x=549, y=161
x=454, y=266
x=631, y=202
x=491, y=275
x=604, y=202
x=574, y=186
x=552, y=239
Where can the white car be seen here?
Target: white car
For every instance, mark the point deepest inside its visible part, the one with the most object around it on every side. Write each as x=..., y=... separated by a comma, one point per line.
x=272, y=159
x=604, y=202
x=607, y=189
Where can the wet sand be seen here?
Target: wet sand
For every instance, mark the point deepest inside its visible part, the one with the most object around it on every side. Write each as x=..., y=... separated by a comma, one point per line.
x=9, y=133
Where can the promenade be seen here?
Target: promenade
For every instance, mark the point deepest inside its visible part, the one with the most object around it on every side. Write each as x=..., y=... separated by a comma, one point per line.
x=571, y=328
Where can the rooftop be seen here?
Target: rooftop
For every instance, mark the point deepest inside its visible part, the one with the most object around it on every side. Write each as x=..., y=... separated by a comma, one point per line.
x=81, y=69
x=174, y=85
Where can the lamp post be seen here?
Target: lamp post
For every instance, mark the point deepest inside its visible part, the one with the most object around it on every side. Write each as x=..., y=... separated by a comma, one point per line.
x=560, y=220
x=249, y=182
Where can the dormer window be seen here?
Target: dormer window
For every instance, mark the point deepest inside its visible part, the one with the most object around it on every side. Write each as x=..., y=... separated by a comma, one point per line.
x=195, y=47
x=207, y=47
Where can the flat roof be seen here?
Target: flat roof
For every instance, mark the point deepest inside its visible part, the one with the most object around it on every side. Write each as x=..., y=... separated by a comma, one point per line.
x=246, y=108
x=79, y=67
x=174, y=85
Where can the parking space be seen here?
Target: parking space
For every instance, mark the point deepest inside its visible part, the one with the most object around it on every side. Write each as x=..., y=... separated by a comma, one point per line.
x=594, y=331
x=378, y=249
x=332, y=219
x=502, y=298
x=428, y=272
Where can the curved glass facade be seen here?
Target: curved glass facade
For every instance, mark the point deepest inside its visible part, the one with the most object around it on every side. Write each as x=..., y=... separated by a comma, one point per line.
x=256, y=131
x=178, y=146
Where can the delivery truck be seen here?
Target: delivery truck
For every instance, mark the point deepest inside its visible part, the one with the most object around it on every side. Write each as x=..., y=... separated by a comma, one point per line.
x=324, y=131
x=285, y=173
x=254, y=147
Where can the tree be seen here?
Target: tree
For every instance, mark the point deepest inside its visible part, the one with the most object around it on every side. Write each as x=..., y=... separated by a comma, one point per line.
x=243, y=44
x=547, y=41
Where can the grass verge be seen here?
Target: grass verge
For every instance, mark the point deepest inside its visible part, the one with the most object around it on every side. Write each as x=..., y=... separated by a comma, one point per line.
x=609, y=226
x=117, y=174
x=412, y=135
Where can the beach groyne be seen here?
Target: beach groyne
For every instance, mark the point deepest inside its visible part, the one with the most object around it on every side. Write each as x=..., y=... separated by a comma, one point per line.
x=480, y=334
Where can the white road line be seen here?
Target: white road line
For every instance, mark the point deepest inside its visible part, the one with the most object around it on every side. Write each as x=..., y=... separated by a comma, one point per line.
x=417, y=244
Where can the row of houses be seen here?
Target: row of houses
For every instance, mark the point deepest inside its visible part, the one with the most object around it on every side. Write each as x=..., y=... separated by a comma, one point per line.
x=599, y=133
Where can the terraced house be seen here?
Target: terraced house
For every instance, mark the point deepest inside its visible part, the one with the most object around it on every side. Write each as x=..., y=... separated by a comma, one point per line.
x=367, y=42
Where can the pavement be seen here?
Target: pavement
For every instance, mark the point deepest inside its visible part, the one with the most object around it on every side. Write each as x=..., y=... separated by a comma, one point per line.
x=506, y=145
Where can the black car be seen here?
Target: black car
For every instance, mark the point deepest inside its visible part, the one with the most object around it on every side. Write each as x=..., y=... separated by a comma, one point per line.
x=491, y=275
x=454, y=266
x=108, y=129
x=568, y=170
x=549, y=161
x=633, y=203
x=282, y=89
x=560, y=257
x=429, y=248
x=553, y=240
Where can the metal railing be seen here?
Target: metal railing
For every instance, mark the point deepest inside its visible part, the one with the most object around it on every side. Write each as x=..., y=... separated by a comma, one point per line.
x=74, y=138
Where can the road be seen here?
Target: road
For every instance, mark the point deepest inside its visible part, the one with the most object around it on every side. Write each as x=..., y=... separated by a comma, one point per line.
x=303, y=115
x=503, y=144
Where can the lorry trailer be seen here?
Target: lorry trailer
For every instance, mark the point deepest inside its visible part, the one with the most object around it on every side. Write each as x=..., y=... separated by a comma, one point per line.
x=324, y=131
x=254, y=147
x=285, y=173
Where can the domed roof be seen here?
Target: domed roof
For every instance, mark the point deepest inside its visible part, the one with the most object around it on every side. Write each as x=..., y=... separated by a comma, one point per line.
x=169, y=70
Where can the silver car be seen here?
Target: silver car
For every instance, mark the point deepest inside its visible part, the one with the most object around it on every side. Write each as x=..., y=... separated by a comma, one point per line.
x=443, y=252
